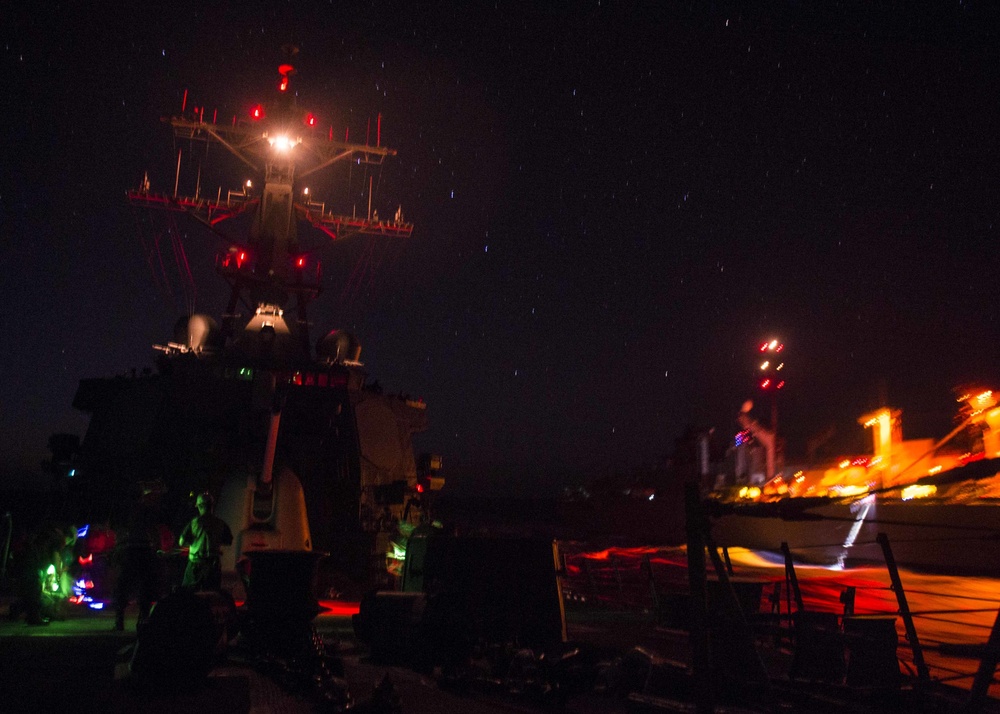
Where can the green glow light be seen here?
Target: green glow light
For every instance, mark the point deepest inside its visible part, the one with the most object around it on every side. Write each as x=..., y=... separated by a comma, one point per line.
x=398, y=551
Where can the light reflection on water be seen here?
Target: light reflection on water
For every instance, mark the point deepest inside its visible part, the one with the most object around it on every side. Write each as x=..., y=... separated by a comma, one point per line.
x=947, y=609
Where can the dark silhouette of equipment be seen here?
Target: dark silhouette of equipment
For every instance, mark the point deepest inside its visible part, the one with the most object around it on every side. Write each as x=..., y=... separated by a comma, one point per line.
x=460, y=591
x=185, y=635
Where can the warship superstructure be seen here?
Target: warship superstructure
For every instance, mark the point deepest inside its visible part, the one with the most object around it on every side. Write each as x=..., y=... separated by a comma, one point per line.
x=302, y=450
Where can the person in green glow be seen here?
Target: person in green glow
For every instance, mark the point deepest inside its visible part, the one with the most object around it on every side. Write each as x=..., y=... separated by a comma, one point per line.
x=204, y=536
x=39, y=576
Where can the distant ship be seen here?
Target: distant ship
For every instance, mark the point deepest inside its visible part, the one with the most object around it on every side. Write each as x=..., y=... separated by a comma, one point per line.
x=937, y=510
x=302, y=451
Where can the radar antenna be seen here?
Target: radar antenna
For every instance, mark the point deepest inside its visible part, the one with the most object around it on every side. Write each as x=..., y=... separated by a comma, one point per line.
x=281, y=144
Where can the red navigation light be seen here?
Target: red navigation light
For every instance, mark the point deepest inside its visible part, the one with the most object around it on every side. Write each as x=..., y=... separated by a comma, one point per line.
x=300, y=262
x=420, y=487
x=285, y=70
x=779, y=348
x=780, y=384
x=241, y=258
x=765, y=384
x=763, y=347
x=310, y=119
x=257, y=113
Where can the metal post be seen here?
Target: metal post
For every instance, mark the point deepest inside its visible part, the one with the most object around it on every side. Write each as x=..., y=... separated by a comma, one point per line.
x=700, y=648
x=923, y=676
x=618, y=577
x=847, y=597
x=6, y=548
x=648, y=565
x=793, y=582
x=177, y=176
x=745, y=637
x=590, y=577
x=791, y=588
x=987, y=668
x=725, y=554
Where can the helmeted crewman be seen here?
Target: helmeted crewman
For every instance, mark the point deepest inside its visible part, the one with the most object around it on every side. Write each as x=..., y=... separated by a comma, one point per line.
x=204, y=536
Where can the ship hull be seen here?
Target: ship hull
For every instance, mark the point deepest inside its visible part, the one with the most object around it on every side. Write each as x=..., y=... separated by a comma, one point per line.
x=960, y=539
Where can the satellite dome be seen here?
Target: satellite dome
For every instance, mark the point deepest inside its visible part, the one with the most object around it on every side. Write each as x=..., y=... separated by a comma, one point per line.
x=197, y=332
x=338, y=347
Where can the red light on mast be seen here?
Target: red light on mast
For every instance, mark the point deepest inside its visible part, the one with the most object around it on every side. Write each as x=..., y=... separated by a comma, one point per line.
x=310, y=119
x=257, y=113
x=300, y=262
x=284, y=70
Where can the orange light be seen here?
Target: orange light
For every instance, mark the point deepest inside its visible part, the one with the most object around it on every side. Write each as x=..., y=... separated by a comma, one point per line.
x=257, y=113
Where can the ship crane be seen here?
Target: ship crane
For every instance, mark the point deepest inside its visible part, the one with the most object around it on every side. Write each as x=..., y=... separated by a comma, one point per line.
x=762, y=434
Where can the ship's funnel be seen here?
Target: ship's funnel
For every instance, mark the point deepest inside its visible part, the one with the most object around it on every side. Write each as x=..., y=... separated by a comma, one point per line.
x=338, y=347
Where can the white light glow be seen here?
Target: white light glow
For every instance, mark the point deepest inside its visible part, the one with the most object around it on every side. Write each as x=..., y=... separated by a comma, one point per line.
x=918, y=491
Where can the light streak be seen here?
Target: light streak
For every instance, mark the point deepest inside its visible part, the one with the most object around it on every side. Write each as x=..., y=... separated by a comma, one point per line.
x=862, y=507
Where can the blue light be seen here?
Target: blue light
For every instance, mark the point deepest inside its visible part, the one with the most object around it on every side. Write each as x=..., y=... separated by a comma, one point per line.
x=82, y=532
x=96, y=606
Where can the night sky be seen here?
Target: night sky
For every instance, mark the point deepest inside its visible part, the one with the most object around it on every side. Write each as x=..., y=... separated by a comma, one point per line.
x=614, y=204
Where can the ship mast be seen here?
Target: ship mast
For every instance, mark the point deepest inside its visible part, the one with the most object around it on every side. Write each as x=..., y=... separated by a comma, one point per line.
x=281, y=144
